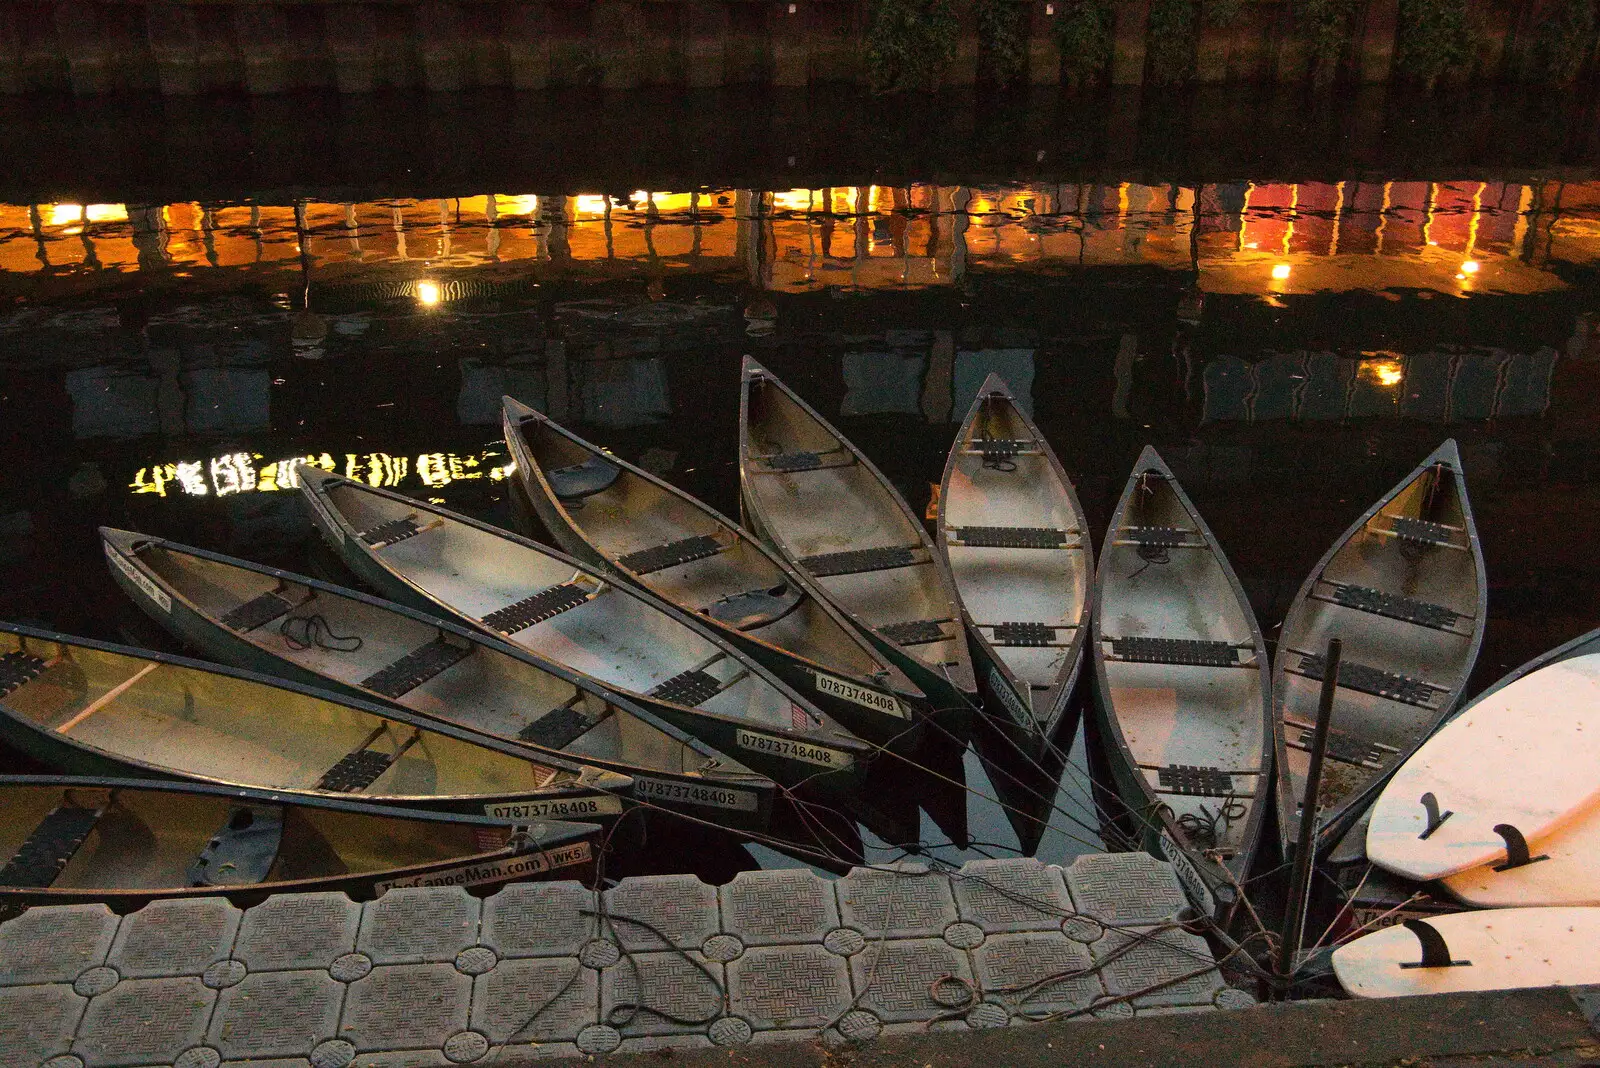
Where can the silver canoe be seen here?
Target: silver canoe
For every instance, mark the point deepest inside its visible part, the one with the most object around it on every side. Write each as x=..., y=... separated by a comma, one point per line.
x=1017, y=543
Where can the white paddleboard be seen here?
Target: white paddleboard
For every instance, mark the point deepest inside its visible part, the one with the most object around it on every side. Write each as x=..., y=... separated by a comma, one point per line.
x=1503, y=948
x=1528, y=756
x=1569, y=874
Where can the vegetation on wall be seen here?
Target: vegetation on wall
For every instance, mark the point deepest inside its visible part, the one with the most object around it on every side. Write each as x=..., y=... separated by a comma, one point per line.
x=1434, y=38
x=1003, y=37
x=1565, y=41
x=1083, y=34
x=909, y=43
x=1327, y=26
x=1170, y=40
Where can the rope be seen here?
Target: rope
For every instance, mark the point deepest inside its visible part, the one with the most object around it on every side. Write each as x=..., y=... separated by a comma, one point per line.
x=315, y=632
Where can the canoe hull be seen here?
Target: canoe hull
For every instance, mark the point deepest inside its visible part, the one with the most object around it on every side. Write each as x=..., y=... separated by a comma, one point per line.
x=731, y=805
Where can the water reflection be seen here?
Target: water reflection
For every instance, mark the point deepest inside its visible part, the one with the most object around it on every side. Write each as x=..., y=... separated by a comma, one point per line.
x=243, y=472
x=1455, y=237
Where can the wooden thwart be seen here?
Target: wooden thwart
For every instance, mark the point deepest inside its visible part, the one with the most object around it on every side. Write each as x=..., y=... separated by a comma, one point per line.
x=106, y=698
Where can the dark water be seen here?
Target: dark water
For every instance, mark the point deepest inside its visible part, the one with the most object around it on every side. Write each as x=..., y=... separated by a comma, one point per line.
x=1292, y=337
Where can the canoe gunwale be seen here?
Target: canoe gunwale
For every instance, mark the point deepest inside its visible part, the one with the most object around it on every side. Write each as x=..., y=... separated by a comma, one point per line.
x=1341, y=818
x=1123, y=762
x=964, y=689
x=1060, y=695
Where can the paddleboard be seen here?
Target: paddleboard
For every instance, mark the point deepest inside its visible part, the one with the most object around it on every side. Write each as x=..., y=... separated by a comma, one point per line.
x=1496, y=949
x=1528, y=756
x=1565, y=870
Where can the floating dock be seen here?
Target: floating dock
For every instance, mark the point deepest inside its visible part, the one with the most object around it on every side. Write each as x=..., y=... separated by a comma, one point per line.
x=433, y=976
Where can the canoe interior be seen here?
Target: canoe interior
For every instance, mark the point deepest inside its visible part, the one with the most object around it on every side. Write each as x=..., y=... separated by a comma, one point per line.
x=1018, y=585
x=149, y=839
x=635, y=514
x=622, y=640
x=487, y=691
x=213, y=726
x=1177, y=716
x=1373, y=733
x=841, y=506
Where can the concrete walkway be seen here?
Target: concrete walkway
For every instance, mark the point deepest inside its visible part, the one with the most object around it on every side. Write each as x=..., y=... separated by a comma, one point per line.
x=429, y=977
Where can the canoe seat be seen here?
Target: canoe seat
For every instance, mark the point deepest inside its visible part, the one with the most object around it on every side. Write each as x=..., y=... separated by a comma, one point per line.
x=1343, y=747
x=672, y=554
x=560, y=727
x=1423, y=532
x=1160, y=537
x=1011, y=538
x=577, y=481
x=915, y=631
x=547, y=603
x=755, y=608
x=994, y=449
x=17, y=669
x=1392, y=606
x=416, y=668
x=1195, y=781
x=793, y=461
x=256, y=612
x=1370, y=680
x=50, y=846
x=1190, y=652
x=860, y=561
x=395, y=530
x=1024, y=634
x=689, y=688
x=356, y=771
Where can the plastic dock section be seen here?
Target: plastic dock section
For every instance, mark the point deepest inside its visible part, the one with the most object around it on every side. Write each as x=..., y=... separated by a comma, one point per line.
x=434, y=976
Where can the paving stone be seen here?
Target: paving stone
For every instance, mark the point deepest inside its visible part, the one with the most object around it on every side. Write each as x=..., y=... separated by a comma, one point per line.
x=1230, y=997
x=276, y=1014
x=1159, y=956
x=274, y=1062
x=988, y=1014
x=348, y=967
x=964, y=935
x=1008, y=966
x=175, y=937
x=777, y=987
x=767, y=1038
x=599, y=953
x=539, y=919
x=334, y=1053
x=406, y=1006
x=464, y=1047
x=895, y=979
x=671, y=984
x=411, y=925
x=96, y=981
x=681, y=907
x=37, y=1022
x=1125, y=888
x=407, y=1058
x=539, y=999
x=907, y=902
x=144, y=1021
x=198, y=1057
x=538, y=1052
x=722, y=948
x=859, y=1025
x=475, y=960
x=297, y=931
x=1011, y=895
x=768, y=907
x=224, y=973
x=598, y=1038
x=54, y=945
x=730, y=1031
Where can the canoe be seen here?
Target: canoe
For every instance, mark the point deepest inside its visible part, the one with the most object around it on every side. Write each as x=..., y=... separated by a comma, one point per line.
x=609, y=512
x=319, y=634
x=1017, y=545
x=1181, y=678
x=622, y=638
x=834, y=517
x=1569, y=874
x=1405, y=589
x=92, y=708
x=125, y=842
x=1497, y=949
x=1527, y=757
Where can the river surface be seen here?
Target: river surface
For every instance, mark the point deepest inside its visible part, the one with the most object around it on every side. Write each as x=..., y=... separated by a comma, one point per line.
x=1293, y=330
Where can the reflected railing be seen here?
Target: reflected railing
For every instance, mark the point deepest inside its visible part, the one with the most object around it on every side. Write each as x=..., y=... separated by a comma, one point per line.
x=1265, y=239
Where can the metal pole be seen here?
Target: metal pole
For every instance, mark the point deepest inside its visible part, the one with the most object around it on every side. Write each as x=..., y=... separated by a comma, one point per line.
x=1294, y=919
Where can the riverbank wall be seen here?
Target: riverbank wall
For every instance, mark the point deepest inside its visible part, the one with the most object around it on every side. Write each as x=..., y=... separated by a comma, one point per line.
x=189, y=47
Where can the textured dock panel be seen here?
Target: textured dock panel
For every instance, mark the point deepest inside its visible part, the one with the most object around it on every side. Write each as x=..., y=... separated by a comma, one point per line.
x=1124, y=888
x=433, y=977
